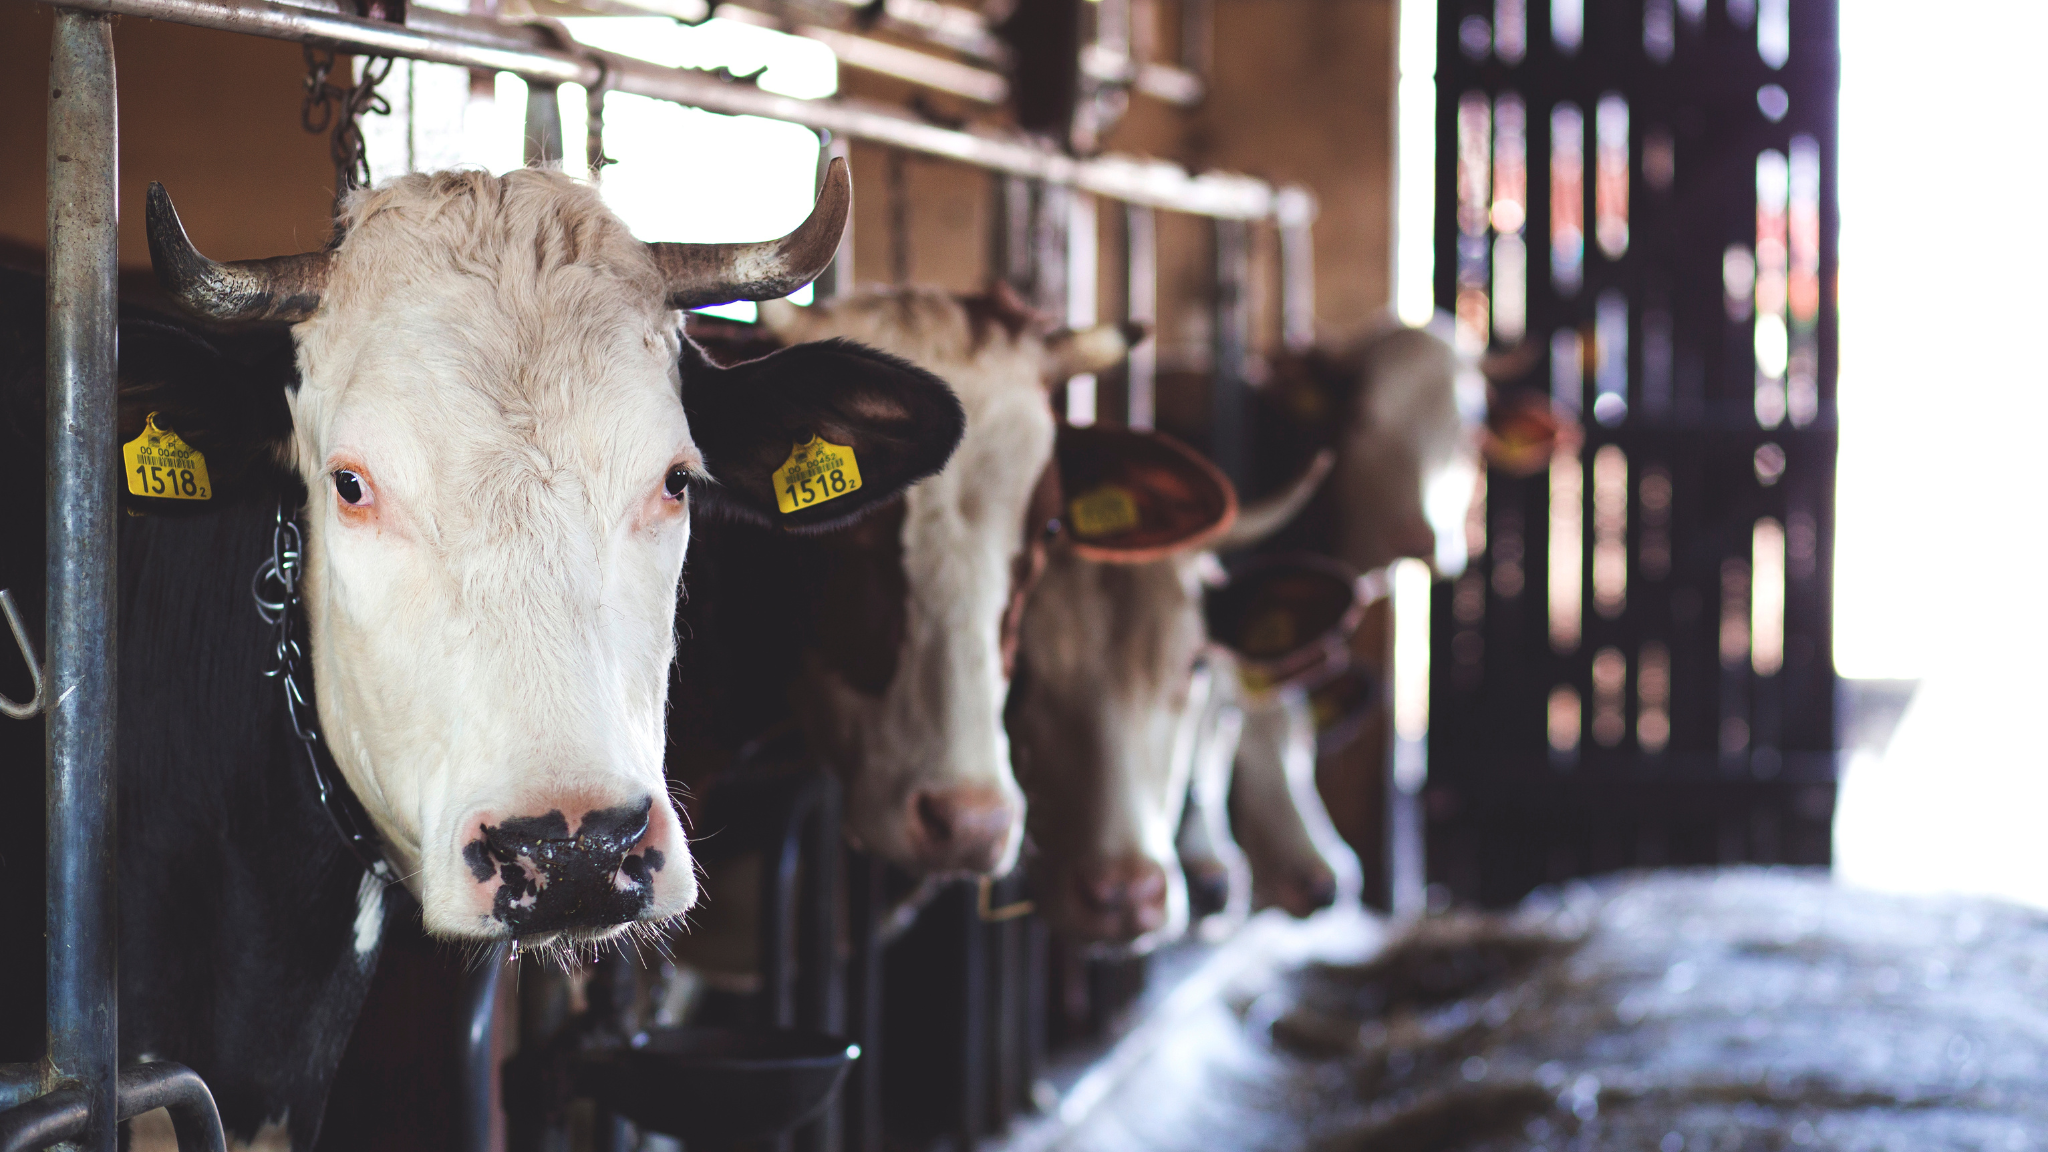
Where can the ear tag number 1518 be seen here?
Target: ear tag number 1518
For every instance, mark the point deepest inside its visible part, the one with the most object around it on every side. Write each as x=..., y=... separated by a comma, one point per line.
x=816, y=471
x=161, y=464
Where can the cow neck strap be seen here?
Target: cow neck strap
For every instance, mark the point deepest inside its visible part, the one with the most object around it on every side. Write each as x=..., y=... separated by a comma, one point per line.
x=276, y=590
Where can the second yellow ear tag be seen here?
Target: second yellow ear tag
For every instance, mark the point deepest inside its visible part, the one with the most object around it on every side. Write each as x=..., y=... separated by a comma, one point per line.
x=161, y=464
x=1106, y=511
x=816, y=471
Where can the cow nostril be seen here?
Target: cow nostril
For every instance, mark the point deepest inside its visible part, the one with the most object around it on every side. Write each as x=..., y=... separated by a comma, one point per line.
x=935, y=819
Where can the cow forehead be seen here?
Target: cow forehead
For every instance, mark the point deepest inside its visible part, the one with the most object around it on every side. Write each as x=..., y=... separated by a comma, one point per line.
x=1133, y=627
x=498, y=327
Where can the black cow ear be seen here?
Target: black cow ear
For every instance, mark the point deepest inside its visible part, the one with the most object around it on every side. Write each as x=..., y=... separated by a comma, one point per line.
x=810, y=437
x=203, y=419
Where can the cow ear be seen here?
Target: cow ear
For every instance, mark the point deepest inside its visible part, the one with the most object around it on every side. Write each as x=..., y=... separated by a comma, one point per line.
x=1133, y=497
x=810, y=437
x=1287, y=618
x=203, y=419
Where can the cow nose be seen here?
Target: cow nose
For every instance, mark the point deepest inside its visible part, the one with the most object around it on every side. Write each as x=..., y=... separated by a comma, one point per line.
x=1307, y=893
x=551, y=877
x=1122, y=899
x=960, y=829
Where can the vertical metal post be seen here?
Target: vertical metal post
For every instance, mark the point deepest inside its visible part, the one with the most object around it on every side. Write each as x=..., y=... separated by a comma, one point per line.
x=1295, y=212
x=1011, y=244
x=1083, y=252
x=1232, y=334
x=476, y=1070
x=82, y=456
x=1141, y=253
x=544, y=148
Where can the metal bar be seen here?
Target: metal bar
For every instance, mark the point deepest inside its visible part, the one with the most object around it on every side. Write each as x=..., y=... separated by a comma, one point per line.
x=818, y=1006
x=1132, y=180
x=885, y=59
x=476, y=1067
x=862, y=1095
x=1141, y=255
x=1295, y=212
x=543, y=147
x=837, y=279
x=1083, y=254
x=1231, y=333
x=972, y=1112
x=81, y=479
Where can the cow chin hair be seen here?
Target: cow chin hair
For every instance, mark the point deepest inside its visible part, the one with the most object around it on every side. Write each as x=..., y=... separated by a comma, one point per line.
x=573, y=950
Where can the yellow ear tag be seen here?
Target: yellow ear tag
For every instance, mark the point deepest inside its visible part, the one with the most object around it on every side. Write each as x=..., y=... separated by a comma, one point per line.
x=1104, y=512
x=161, y=464
x=1270, y=634
x=816, y=471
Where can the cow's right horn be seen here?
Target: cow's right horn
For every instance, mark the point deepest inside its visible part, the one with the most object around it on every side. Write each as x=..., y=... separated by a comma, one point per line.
x=701, y=274
x=284, y=288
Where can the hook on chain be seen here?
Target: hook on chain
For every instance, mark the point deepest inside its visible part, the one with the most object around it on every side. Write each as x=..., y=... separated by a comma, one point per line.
x=41, y=698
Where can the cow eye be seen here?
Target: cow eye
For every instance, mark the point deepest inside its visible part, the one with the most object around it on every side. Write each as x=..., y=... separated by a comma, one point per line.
x=348, y=486
x=677, y=482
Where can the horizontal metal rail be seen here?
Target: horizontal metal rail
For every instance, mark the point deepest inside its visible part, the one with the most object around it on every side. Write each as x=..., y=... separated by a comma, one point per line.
x=532, y=52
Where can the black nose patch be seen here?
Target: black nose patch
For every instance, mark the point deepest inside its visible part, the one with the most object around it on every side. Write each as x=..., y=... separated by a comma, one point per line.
x=553, y=880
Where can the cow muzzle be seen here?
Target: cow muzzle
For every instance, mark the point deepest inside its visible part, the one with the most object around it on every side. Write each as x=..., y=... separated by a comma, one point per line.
x=961, y=829
x=601, y=869
x=1116, y=901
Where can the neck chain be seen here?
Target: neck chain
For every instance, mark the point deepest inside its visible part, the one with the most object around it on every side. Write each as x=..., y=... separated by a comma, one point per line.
x=276, y=590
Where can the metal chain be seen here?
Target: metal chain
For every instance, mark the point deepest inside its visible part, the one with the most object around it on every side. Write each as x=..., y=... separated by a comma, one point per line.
x=338, y=109
x=275, y=587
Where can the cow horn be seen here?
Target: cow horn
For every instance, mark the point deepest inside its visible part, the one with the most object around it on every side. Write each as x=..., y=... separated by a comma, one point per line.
x=285, y=288
x=701, y=274
x=1257, y=521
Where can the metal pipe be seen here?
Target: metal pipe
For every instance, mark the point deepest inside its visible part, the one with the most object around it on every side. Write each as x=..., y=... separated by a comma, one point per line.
x=477, y=1069
x=81, y=479
x=1231, y=332
x=1132, y=180
x=1295, y=212
x=1141, y=257
x=543, y=147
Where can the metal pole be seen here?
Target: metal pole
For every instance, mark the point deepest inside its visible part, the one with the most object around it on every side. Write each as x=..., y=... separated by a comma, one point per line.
x=476, y=1070
x=1141, y=249
x=1232, y=336
x=1295, y=212
x=83, y=254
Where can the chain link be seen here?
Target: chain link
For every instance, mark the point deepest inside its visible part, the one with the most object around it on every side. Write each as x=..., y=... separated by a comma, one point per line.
x=337, y=110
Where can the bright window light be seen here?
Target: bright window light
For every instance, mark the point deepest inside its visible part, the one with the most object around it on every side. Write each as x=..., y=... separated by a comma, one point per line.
x=1415, y=165
x=1943, y=398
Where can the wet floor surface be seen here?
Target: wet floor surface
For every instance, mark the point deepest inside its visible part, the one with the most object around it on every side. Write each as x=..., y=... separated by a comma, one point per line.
x=1680, y=1012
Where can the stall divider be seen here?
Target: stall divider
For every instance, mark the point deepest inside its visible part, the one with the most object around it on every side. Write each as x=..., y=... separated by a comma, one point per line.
x=80, y=631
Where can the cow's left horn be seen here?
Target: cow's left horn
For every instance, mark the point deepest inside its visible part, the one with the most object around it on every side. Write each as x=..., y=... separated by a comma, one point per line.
x=283, y=288
x=701, y=274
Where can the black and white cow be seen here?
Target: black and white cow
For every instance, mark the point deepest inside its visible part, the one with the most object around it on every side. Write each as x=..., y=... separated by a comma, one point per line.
x=493, y=435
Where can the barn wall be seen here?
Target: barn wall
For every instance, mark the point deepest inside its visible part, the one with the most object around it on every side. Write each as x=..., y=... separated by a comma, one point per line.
x=213, y=115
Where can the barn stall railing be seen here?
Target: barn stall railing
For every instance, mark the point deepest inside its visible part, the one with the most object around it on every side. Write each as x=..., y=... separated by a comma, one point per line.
x=76, y=1094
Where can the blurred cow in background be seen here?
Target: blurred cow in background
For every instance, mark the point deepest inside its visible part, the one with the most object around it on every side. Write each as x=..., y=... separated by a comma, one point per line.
x=1110, y=695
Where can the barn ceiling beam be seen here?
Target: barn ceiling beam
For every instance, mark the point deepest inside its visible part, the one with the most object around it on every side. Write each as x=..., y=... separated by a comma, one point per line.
x=452, y=39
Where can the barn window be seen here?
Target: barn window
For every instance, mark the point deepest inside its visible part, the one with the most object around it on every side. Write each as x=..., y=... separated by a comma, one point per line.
x=679, y=173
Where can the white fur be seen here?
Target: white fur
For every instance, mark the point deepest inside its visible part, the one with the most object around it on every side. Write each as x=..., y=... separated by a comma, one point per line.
x=1276, y=812
x=1407, y=459
x=939, y=724
x=496, y=355
x=1106, y=728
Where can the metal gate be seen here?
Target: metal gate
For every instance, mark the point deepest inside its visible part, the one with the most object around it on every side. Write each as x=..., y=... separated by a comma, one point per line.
x=1638, y=197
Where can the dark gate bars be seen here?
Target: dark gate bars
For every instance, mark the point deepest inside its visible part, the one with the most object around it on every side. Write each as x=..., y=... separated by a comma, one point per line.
x=77, y=1095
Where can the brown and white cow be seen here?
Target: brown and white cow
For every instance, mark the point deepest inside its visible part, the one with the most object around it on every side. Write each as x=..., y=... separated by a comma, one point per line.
x=495, y=440
x=1106, y=718
x=890, y=643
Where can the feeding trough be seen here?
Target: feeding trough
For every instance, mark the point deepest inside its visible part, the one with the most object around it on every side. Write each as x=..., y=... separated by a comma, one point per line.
x=719, y=1085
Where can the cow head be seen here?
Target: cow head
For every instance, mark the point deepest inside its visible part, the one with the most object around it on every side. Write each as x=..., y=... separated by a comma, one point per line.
x=501, y=435
x=905, y=686
x=1406, y=458
x=1107, y=719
